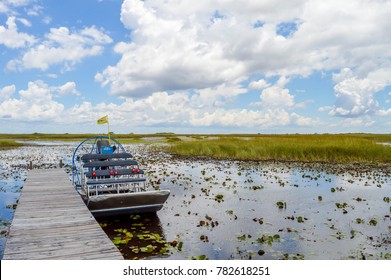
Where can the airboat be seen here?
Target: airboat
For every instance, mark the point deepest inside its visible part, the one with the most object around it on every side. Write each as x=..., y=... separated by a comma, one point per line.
x=110, y=181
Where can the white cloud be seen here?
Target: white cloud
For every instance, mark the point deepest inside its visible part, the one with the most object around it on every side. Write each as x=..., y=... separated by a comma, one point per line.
x=3, y=8
x=357, y=122
x=47, y=20
x=18, y=3
x=24, y=21
x=241, y=118
x=11, y=38
x=34, y=104
x=168, y=53
x=35, y=10
x=38, y=103
x=62, y=46
x=356, y=96
x=277, y=96
x=8, y=6
x=178, y=45
x=304, y=121
x=217, y=96
x=260, y=84
x=29, y=6
x=68, y=88
x=192, y=63
x=384, y=112
x=6, y=92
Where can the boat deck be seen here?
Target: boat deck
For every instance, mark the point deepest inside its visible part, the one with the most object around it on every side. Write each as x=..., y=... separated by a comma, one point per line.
x=52, y=222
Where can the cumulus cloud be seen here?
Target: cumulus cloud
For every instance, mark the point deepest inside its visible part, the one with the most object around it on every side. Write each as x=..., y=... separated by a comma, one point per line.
x=62, y=46
x=277, y=96
x=34, y=104
x=37, y=102
x=304, y=121
x=6, y=92
x=218, y=96
x=355, y=96
x=260, y=84
x=68, y=88
x=188, y=63
x=40, y=102
x=206, y=43
x=384, y=112
x=11, y=38
x=169, y=53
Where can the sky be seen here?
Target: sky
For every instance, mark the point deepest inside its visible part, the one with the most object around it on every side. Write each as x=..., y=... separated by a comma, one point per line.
x=205, y=66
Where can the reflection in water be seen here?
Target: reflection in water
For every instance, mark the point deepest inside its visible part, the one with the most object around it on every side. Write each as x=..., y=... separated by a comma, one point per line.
x=137, y=236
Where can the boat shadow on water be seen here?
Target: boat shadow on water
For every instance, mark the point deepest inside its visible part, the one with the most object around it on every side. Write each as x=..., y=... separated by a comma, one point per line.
x=137, y=236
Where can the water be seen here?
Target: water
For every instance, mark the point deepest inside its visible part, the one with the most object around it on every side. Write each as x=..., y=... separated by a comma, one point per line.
x=238, y=210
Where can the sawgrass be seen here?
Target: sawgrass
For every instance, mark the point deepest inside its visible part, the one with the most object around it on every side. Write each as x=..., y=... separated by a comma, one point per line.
x=339, y=148
x=308, y=148
x=8, y=144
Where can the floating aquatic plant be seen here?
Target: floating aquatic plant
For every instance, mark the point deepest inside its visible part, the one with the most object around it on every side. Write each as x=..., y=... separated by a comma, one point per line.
x=341, y=205
x=201, y=258
x=219, y=197
x=269, y=239
x=261, y=252
x=281, y=204
x=204, y=238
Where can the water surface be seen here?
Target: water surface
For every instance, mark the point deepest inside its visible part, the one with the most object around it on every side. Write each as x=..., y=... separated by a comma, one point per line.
x=236, y=210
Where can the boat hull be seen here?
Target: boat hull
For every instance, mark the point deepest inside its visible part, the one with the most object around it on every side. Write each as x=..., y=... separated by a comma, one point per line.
x=127, y=203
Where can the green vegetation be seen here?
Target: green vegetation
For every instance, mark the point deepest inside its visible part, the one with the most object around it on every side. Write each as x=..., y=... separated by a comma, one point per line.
x=8, y=144
x=331, y=148
x=347, y=148
x=129, y=138
x=45, y=137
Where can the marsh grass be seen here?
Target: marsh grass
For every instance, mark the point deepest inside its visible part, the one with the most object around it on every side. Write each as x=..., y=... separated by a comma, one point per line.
x=338, y=148
x=8, y=144
x=309, y=148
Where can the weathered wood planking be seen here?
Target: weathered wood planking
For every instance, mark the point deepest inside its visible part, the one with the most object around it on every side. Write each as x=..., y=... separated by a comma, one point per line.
x=52, y=222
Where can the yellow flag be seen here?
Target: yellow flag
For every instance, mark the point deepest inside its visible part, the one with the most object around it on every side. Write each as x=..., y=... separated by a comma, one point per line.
x=103, y=120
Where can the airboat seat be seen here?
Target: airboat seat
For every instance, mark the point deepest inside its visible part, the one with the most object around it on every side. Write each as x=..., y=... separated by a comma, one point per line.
x=93, y=157
x=108, y=163
x=110, y=182
x=108, y=172
x=104, y=147
x=102, y=170
x=114, y=181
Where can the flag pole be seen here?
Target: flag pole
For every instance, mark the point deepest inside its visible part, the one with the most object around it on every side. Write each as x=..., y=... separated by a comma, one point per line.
x=104, y=120
x=108, y=129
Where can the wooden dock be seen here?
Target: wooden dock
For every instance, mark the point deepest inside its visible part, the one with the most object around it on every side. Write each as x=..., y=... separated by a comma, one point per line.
x=52, y=222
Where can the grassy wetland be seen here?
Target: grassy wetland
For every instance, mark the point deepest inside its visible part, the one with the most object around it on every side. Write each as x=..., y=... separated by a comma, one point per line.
x=328, y=148
x=8, y=144
x=306, y=148
x=239, y=196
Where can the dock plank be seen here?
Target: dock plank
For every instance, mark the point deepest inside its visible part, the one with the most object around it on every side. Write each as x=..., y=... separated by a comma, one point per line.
x=51, y=221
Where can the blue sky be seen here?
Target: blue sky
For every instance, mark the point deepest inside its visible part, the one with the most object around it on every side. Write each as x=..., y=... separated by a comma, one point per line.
x=206, y=66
